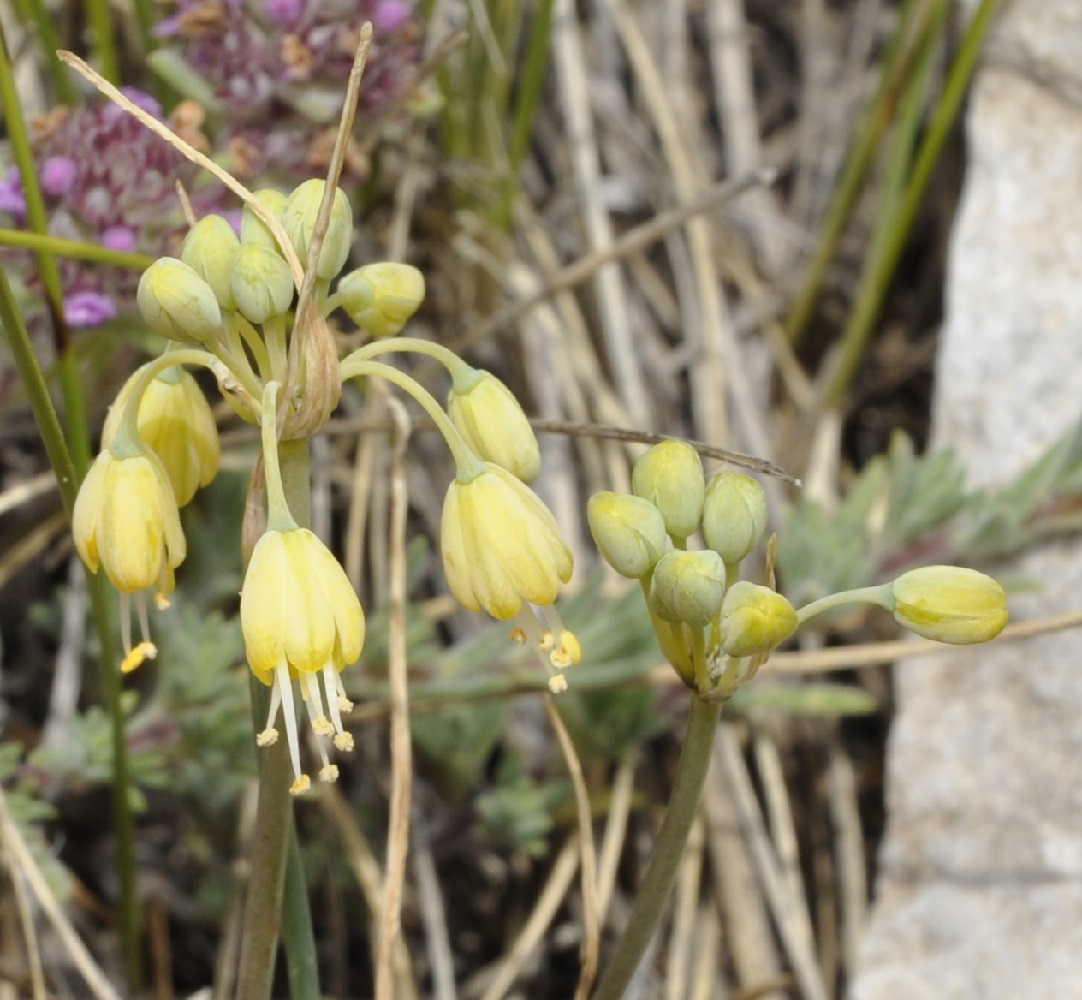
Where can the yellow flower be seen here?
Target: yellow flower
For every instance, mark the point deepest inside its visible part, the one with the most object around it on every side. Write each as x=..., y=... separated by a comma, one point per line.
x=301, y=619
x=126, y=519
x=494, y=425
x=501, y=546
x=503, y=551
x=176, y=423
x=950, y=604
x=755, y=619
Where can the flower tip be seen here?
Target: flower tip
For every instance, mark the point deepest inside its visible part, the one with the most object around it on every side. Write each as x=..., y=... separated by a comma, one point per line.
x=300, y=785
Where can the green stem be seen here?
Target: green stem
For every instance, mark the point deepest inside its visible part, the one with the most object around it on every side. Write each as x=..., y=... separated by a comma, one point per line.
x=463, y=375
x=653, y=892
x=279, y=517
x=101, y=21
x=876, y=273
x=297, y=933
x=56, y=448
x=468, y=465
x=868, y=303
x=74, y=249
x=896, y=69
x=267, y=886
x=48, y=43
x=879, y=595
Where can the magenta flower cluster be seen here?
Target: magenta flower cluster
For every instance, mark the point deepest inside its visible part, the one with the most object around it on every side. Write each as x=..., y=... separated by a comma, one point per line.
x=277, y=70
x=107, y=180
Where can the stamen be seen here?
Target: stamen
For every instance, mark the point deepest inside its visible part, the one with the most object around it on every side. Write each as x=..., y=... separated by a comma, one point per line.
x=344, y=742
x=568, y=653
x=344, y=704
x=518, y=637
x=557, y=684
x=267, y=738
x=300, y=785
x=141, y=612
x=272, y=714
x=289, y=713
x=125, y=622
x=332, y=682
x=138, y=656
x=313, y=701
x=329, y=773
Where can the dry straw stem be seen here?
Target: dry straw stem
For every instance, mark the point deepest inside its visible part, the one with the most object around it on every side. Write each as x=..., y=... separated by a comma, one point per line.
x=26, y=918
x=612, y=841
x=434, y=917
x=401, y=747
x=591, y=920
x=95, y=979
x=552, y=896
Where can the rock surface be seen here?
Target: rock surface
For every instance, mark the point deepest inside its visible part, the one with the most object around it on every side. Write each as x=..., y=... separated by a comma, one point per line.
x=980, y=889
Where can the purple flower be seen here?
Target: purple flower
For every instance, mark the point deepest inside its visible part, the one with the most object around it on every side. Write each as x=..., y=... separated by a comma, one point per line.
x=88, y=309
x=58, y=175
x=389, y=15
x=119, y=238
x=12, y=199
x=284, y=11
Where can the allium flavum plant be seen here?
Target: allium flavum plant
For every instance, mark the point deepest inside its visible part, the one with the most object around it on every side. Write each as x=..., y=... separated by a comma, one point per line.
x=226, y=303
x=716, y=629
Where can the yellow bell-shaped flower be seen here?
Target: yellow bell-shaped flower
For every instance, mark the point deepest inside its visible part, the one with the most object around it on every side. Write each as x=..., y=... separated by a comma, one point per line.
x=176, y=423
x=126, y=519
x=501, y=545
x=493, y=423
x=301, y=619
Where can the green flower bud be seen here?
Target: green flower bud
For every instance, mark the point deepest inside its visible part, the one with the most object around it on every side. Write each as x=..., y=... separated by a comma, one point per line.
x=177, y=303
x=755, y=619
x=209, y=250
x=299, y=219
x=688, y=587
x=734, y=515
x=489, y=417
x=670, y=476
x=950, y=604
x=261, y=283
x=252, y=228
x=381, y=297
x=628, y=532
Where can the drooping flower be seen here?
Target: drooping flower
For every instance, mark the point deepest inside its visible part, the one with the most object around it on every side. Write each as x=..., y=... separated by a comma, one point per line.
x=301, y=620
x=502, y=551
x=493, y=423
x=126, y=519
x=176, y=423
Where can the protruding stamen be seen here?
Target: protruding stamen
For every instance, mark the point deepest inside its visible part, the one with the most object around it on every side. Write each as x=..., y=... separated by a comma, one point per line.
x=557, y=684
x=344, y=742
x=344, y=704
x=125, y=622
x=285, y=690
x=333, y=683
x=135, y=658
x=300, y=785
x=329, y=773
x=272, y=712
x=141, y=613
x=568, y=652
x=518, y=637
x=267, y=738
x=161, y=601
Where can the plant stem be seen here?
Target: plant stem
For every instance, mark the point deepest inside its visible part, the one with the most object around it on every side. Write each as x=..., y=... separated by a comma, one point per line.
x=274, y=816
x=74, y=249
x=653, y=893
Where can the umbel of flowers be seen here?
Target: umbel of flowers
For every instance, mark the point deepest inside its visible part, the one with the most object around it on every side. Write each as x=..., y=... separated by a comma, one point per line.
x=230, y=303
x=717, y=629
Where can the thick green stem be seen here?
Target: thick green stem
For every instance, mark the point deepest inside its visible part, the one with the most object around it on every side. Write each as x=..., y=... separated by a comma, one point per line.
x=653, y=892
x=274, y=816
x=74, y=249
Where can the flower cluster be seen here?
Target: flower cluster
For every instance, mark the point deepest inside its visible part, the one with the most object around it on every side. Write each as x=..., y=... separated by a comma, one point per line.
x=228, y=302
x=106, y=180
x=276, y=72
x=716, y=629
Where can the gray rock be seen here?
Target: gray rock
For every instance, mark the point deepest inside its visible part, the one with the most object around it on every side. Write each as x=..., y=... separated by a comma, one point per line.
x=980, y=888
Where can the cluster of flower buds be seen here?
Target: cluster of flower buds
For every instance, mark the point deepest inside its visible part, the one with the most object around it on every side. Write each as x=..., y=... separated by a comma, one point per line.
x=714, y=628
x=106, y=180
x=275, y=74
x=227, y=303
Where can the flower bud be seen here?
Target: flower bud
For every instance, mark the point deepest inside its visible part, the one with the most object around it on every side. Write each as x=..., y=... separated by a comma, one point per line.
x=381, y=297
x=628, y=532
x=755, y=619
x=489, y=417
x=734, y=515
x=299, y=219
x=177, y=303
x=252, y=228
x=688, y=587
x=670, y=476
x=950, y=604
x=261, y=283
x=209, y=249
